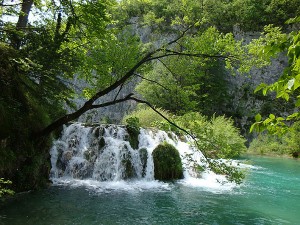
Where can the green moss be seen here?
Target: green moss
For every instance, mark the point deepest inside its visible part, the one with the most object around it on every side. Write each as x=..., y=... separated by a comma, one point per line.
x=129, y=171
x=167, y=162
x=133, y=129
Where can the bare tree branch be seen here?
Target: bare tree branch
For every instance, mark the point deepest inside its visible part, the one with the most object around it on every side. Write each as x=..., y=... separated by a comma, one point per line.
x=152, y=81
x=169, y=121
x=159, y=113
x=168, y=68
x=126, y=98
x=121, y=87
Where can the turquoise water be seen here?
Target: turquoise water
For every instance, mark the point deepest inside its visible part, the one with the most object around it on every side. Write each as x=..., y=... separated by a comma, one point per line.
x=269, y=195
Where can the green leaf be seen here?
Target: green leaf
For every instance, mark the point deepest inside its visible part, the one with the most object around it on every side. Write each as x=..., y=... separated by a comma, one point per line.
x=291, y=83
x=259, y=87
x=293, y=20
x=272, y=116
x=253, y=127
x=258, y=117
x=283, y=94
x=293, y=116
x=297, y=104
x=297, y=51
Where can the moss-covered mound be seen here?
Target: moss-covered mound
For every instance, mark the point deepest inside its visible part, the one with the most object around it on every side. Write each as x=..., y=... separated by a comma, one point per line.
x=133, y=129
x=167, y=162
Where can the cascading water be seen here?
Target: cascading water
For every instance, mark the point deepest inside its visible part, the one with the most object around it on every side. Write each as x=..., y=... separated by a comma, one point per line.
x=102, y=154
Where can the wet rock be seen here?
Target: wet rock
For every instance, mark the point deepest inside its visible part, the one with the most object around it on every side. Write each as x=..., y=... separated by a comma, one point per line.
x=143, y=153
x=81, y=170
x=90, y=156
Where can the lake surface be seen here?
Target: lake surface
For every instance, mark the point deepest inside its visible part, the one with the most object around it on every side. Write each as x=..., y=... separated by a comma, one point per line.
x=269, y=195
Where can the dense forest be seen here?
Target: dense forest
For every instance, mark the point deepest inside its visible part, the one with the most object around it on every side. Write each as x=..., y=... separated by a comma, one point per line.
x=181, y=53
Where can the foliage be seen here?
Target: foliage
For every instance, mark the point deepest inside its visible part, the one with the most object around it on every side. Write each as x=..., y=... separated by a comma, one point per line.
x=188, y=82
x=133, y=123
x=54, y=47
x=287, y=86
x=162, y=13
x=146, y=116
x=250, y=15
x=253, y=15
x=93, y=39
x=3, y=189
x=286, y=144
x=22, y=114
x=133, y=129
x=232, y=173
x=216, y=137
x=109, y=58
x=167, y=162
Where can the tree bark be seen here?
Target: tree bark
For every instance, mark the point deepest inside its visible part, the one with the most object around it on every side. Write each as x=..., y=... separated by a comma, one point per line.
x=23, y=17
x=22, y=22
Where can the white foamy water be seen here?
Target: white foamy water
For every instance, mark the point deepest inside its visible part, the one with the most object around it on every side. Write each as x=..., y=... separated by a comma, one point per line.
x=109, y=186
x=100, y=157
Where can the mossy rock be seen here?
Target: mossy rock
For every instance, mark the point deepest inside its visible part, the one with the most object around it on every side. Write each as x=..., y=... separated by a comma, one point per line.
x=129, y=171
x=101, y=143
x=167, y=162
x=144, y=157
x=98, y=132
x=133, y=137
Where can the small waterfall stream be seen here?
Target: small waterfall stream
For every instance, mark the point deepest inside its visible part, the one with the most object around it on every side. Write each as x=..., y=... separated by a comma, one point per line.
x=102, y=153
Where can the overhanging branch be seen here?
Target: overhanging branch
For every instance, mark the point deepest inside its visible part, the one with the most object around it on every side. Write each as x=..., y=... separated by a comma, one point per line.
x=152, y=81
x=170, y=122
x=115, y=101
x=159, y=113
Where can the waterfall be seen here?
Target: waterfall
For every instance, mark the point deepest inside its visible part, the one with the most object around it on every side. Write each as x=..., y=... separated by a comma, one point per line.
x=102, y=153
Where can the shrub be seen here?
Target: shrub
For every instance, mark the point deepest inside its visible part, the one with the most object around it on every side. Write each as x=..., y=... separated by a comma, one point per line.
x=167, y=162
x=217, y=137
x=147, y=117
x=269, y=144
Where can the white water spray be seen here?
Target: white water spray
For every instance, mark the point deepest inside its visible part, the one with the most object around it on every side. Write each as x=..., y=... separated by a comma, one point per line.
x=101, y=155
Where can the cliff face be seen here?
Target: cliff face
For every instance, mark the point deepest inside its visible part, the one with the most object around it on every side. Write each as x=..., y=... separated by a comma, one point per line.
x=109, y=114
x=244, y=103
